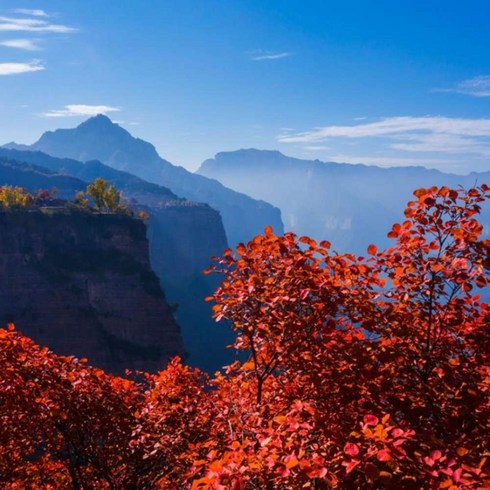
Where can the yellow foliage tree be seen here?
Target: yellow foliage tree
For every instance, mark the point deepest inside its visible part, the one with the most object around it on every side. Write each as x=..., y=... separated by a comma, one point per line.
x=14, y=197
x=105, y=197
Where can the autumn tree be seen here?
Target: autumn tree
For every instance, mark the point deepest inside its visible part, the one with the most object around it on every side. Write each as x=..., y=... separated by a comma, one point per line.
x=104, y=196
x=63, y=424
x=81, y=199
x=12, y=197
x=379, y=363
x=173, y=426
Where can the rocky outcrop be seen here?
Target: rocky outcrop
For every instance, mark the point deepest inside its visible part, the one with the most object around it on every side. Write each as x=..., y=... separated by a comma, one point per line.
x=81, y=284
x=183, y=237
x=187, y=233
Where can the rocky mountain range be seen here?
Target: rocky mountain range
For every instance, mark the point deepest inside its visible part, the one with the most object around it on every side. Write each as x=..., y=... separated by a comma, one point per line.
x=99, y=138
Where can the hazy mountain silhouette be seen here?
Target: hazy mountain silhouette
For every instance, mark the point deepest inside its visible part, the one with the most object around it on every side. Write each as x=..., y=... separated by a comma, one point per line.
x=33, y=177
x=350, y=205
x=99, y=138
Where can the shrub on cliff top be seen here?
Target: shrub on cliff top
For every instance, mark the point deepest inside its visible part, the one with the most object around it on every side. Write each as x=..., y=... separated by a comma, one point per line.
x=105, y=197
x=14, y=197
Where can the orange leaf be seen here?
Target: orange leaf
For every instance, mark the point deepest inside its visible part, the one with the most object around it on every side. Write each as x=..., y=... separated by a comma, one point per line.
x=292, y=463
x=462, y=451
x=446, y=483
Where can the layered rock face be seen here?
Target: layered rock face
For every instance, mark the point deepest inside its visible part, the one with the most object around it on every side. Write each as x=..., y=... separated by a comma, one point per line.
x=187, y=233
x=81, y=284
x=180, y=264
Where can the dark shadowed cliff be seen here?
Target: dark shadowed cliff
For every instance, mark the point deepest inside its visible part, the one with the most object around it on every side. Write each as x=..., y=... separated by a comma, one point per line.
x=183, y=236
x=81, y=284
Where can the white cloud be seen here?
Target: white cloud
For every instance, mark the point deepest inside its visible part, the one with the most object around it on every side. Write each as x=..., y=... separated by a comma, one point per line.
x=18, y=68
x=442, y=143
x=393, y=126
x=428, y=134
x=27, y=20
x=77, y=110
x=270, y=56
x=476, y=87
x=317, y=148
x=17, y=24
x=25, y=44
x=33, y=12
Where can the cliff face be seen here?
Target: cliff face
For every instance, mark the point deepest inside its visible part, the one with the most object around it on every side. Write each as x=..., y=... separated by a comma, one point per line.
x=180, y=264
x=82, y=285
x=183, y=237
x=180, y=260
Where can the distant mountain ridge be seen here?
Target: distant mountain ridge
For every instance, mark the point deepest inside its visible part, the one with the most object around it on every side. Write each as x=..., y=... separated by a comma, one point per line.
x=34, y=177
x=99, y=138
x=350, y=205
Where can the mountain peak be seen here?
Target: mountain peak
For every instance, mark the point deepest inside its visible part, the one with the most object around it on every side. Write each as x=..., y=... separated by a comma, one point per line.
x=99, y=138
x=98, y=121
x=246, y=158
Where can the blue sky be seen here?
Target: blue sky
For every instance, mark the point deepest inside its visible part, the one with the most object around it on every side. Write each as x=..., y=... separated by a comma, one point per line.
x=387, y=82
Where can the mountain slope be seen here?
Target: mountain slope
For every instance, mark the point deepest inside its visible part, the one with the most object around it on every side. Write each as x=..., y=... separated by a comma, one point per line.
x=350, y=205
x=34, y=177
x=100, y=139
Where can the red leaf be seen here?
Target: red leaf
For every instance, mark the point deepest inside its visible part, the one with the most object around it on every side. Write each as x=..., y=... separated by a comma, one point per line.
x=351, y=449
x=383, y=455
x=350, y=465
x=371, y=420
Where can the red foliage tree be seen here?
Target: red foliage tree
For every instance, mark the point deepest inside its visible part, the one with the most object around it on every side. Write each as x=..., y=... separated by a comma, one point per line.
x=63, y=424
x=362, y=372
